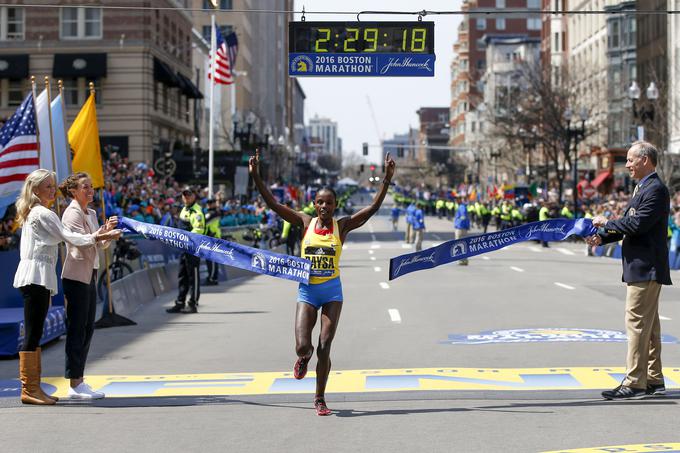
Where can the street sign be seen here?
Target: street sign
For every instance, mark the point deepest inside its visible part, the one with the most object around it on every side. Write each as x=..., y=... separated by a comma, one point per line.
x=348, y=49
x=165, y=166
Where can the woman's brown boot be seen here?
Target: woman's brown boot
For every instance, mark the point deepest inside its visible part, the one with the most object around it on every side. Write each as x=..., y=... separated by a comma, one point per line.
x=30, y=380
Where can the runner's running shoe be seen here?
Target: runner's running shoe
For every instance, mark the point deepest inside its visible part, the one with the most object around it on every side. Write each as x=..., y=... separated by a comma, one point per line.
x=300, y=367
x=321, y=408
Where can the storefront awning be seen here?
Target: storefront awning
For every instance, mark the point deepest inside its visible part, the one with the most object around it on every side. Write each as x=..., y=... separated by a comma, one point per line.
x=602, y=177
x=89, y=65
x=188, y=88
x=163, y=74
x=14, y=67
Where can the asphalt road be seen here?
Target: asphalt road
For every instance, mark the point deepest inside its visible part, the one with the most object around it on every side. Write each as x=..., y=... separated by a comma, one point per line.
x=404, y=381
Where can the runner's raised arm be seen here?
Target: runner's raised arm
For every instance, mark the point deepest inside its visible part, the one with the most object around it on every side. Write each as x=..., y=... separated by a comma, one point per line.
x=354, y=221
x=290, y=215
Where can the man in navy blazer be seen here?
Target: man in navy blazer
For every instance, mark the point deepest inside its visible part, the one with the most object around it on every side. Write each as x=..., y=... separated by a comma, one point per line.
x=643, y=229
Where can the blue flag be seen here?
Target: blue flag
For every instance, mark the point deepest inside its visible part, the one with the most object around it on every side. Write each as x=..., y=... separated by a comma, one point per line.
x=458, y=249
x=224, y=252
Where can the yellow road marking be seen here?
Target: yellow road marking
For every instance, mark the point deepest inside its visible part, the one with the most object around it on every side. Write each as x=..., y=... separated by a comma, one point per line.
x=362, y=381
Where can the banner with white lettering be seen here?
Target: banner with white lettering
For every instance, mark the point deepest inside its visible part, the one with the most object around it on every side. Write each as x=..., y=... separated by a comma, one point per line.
x=458, y=249
x=223, y=252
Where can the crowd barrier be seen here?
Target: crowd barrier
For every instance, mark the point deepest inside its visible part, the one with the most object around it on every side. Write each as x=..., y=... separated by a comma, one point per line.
x=155, y=273
x=614, y=251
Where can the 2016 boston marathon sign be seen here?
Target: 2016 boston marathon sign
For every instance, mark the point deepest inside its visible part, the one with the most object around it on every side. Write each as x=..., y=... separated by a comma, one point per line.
x=548, y=230
x=224, y=252
x=382, y=49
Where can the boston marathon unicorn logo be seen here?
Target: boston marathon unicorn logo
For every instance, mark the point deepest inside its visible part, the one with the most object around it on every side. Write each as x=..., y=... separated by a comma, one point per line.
x=301, y=64
x=258, y=261
x=458, y=249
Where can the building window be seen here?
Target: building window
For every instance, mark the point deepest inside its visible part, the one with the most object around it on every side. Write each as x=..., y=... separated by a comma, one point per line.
x=224, y=29
x=11, y=24
x=223, y=4
x=615, y=35
x=500, y=23
x=12, y=92
x=556, y=42
x=481, y=45
x=500, y=3
x=534, y=23
x=533, y=4
x=481, y=24
x=77, y=90
x=81, y=23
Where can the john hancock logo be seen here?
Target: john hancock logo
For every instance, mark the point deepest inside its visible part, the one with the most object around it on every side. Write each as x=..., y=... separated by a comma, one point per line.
x=258, y=261
x=301, y=64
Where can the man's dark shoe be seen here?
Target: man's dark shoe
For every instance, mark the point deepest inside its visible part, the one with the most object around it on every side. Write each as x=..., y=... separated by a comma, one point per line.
x=656, y=389
x=191, y=308
x=623, y=392
x=177, y=308
x=211, y=283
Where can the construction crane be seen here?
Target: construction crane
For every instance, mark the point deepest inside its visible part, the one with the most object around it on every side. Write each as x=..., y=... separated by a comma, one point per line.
x=375, y=121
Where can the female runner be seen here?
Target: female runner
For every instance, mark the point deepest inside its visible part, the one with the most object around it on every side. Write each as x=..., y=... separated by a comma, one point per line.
x=322, y=245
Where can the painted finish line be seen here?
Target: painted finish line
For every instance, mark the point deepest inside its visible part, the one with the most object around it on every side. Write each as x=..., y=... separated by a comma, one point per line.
x=351, y=381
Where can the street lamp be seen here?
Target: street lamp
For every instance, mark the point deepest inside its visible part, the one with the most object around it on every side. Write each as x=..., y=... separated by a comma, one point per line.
x=529, y=145
x=576, y=133
x=495, y=155
x=642, y=112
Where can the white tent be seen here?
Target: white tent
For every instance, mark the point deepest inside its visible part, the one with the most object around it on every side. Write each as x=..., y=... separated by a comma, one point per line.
x=347, y=182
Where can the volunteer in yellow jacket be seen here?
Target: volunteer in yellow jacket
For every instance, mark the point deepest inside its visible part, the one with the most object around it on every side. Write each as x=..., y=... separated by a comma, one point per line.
x=322, y=245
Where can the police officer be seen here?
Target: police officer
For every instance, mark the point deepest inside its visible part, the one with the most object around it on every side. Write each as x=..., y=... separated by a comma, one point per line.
x=191, y=219
x=544, y=214
x=212, y=229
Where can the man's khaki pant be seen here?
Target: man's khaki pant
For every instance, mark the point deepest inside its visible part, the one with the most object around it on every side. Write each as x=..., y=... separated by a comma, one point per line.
x=643, y=363
x=408, y=238
x=461, y=234
x=418, y=239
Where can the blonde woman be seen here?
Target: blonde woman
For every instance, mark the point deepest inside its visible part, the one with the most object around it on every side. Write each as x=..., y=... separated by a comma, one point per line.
x=79, y=276
x=36, y=275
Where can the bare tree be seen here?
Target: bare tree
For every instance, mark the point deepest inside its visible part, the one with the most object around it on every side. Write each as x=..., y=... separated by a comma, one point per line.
x=536, y=108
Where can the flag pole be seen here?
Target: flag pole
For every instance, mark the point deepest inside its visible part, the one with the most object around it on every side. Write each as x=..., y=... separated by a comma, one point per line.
x=106, y=252
x=54, y=155
x=109, y=318
x=213, y=56
x=60, y=84
x=35, y=109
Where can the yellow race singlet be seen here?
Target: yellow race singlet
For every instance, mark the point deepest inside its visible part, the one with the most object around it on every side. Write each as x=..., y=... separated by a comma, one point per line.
x=323, y=251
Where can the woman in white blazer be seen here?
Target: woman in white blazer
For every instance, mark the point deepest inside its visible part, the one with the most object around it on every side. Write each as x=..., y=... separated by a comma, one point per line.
x=79, y=277
x=36, y=276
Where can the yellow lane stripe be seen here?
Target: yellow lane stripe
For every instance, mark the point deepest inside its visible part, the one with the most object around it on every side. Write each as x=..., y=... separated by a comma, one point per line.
x=638, y=448
x=362, y=381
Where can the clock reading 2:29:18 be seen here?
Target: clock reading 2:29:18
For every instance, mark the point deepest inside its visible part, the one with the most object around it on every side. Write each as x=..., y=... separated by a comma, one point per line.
x=362, y=37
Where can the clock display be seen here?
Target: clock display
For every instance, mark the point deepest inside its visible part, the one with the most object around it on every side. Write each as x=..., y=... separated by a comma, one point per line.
x=361, y=37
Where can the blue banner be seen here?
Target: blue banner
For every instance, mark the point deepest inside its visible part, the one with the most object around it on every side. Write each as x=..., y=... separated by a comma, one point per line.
x=224, y=252
x=458, y=249
x=361, y=64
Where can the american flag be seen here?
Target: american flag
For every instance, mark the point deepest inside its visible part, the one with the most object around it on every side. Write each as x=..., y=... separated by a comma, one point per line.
x=225, y=59
x=18, y=148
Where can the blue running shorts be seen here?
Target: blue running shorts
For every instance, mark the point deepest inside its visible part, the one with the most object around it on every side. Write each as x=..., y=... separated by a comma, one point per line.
x=317, y=295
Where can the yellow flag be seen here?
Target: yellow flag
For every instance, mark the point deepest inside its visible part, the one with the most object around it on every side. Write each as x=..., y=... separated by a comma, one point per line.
x=83, y=136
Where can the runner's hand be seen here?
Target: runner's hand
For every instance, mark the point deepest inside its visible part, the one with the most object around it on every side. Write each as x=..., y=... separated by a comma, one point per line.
x=254, y=163
x=389, y=167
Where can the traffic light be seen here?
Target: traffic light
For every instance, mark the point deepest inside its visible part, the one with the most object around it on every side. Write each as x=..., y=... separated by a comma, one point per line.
x=372, y=168
x=361, y=168
x=365, y=145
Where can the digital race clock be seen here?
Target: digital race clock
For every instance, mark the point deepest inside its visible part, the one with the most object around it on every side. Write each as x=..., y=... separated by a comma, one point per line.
x=361, y=49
